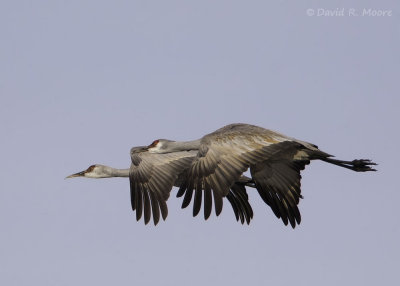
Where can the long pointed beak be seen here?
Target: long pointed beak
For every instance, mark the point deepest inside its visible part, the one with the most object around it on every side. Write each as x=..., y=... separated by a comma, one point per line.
x=80, y=174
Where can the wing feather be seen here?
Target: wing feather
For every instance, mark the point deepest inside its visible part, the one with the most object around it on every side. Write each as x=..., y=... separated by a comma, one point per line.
x=188, y=198
x=155, y=208
x=235, y=208
x=243, y=198
x=133, y=195
x=207, y=200
x=278, y=183
x=222, y=158
x=138, y=201
x=197, y=201
x=146, y=207
x=152, y=176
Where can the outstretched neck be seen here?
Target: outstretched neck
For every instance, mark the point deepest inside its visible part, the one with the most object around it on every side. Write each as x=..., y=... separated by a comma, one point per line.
x=185, y=145
x=107, y=172
x=101, y=171
x=166, y=146
x=119, y=172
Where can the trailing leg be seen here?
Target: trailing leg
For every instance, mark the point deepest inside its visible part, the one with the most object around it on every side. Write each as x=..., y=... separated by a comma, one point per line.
x=358, y=165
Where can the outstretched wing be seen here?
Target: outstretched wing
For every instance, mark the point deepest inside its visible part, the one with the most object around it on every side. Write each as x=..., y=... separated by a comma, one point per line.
x=152, y=177
x=277, y=178
x=223, y=156
x=278, y=183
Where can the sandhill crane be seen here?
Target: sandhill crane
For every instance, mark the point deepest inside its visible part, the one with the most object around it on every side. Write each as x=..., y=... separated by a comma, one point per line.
x=152, y=177
x=214, y=165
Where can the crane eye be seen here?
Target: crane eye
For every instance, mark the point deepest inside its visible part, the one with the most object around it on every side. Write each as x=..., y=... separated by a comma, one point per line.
x=154, y=144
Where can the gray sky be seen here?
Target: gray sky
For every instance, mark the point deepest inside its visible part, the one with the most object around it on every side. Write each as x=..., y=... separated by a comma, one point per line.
x=81, y=82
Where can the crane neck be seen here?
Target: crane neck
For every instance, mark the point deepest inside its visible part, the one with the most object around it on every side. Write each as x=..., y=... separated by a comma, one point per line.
x=120, y=172
x=109, y=172
x=185, y=145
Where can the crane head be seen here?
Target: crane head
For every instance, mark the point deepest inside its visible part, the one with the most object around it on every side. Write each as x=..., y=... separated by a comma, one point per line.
x=160, y=146
x=94, y=171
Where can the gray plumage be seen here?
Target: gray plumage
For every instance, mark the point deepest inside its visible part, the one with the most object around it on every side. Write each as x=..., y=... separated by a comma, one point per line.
x=211, y=168
x=152, y=177
x=275, y=162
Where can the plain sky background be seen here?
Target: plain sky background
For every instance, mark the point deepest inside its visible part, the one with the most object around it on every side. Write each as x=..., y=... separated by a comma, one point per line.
x=82, y=82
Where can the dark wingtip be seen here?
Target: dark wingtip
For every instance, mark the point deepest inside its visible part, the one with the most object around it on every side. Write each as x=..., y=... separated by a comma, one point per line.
x=181, y=192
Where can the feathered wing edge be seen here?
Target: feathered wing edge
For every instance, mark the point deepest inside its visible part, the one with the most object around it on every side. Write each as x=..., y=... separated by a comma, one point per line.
x=237, y=197
x=278, y=184
x=152, y=177
x=219, y=165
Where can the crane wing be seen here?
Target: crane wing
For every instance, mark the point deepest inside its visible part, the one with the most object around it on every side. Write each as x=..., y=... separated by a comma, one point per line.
x=222, y=157
x=277, y=178
x=278, y=183
x=152, y=177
